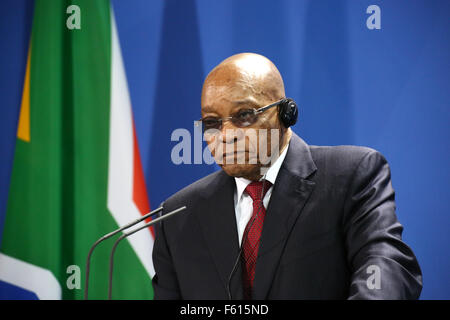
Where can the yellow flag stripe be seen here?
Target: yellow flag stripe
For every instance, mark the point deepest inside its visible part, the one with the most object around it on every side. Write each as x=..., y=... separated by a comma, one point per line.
x=23, y=130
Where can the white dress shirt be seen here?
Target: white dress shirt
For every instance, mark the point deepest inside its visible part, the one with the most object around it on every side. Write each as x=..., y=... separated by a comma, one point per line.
x=243, y=203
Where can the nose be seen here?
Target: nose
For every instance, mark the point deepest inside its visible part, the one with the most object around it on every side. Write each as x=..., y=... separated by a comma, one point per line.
x=227, y=131
x=230, y=133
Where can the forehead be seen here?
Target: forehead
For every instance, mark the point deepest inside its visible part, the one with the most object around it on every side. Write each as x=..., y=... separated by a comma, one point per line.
x=224, y=92
x=221, y=97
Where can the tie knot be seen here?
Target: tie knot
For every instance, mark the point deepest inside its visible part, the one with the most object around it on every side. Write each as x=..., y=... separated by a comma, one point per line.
x=255, y=189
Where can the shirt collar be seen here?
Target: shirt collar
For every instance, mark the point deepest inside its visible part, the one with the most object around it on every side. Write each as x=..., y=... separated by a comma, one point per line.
x=271, y=174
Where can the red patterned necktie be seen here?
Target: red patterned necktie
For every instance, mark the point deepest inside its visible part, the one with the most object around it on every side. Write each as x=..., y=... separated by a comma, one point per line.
x=252, y=233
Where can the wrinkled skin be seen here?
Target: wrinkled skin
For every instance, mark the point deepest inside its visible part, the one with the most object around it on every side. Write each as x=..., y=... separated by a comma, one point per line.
x=243, y=81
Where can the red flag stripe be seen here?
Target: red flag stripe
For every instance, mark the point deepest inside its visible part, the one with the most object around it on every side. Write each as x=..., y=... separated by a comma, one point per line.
x=140, y=196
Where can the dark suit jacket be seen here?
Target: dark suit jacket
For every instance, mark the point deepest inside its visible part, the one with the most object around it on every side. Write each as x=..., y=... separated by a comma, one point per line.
x=330, y=217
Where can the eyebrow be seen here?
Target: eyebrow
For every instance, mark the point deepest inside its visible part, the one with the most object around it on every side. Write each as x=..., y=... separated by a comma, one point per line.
x=208, y=109
x=245, y=101
x=235, y=105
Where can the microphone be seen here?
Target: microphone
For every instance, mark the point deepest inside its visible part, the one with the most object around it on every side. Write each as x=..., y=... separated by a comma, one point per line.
x=127, y=234
x=107, y=236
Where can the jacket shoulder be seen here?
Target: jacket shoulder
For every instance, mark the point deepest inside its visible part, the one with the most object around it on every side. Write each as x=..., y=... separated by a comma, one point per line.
x=190, y=193
x=344, y=157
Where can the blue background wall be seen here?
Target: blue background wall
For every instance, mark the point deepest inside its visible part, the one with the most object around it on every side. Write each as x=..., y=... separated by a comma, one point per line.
x=388, y=89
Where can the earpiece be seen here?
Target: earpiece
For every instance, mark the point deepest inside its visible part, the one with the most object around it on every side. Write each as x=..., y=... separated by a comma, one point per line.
x=288, y=112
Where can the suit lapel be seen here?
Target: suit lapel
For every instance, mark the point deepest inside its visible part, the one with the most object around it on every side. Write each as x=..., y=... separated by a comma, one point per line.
x=216, y=216
x=290, y=193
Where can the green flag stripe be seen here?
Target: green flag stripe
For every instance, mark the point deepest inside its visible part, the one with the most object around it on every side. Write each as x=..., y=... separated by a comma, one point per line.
x=57, y=199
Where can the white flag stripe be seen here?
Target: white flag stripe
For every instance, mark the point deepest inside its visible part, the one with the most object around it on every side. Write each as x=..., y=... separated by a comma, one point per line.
x=29, y=277
x=121, y=156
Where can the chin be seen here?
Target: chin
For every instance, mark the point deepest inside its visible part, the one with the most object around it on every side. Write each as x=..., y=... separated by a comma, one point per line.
x=241, y=170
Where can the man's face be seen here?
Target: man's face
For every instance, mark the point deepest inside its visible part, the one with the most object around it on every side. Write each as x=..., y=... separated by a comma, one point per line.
x=236, y=149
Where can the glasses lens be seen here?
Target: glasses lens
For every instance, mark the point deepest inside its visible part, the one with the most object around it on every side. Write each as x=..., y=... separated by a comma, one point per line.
x=211, y=123
x=244, y=118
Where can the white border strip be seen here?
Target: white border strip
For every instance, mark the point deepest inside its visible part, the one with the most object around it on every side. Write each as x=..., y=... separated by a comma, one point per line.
x=29, y=277
x=120, y=171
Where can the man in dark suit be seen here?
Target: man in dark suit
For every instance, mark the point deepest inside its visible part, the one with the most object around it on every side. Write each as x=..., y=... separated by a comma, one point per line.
x=318, y=222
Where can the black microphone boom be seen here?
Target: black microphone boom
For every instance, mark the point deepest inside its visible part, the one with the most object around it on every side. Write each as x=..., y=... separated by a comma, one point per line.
x=107, y=236
x=127, y=234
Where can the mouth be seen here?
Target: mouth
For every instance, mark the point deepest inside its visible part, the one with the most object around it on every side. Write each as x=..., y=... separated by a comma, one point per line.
x=235, y=153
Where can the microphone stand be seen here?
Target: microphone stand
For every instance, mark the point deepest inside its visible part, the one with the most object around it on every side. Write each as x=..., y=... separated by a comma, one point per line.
x=127, y=234
x=107, y=236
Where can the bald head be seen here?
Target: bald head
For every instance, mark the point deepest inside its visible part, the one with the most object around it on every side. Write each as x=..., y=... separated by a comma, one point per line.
x=250, y=74
x=235, y=88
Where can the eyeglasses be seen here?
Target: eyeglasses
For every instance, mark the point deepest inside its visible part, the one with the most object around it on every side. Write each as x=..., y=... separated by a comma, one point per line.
x=241, y=119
